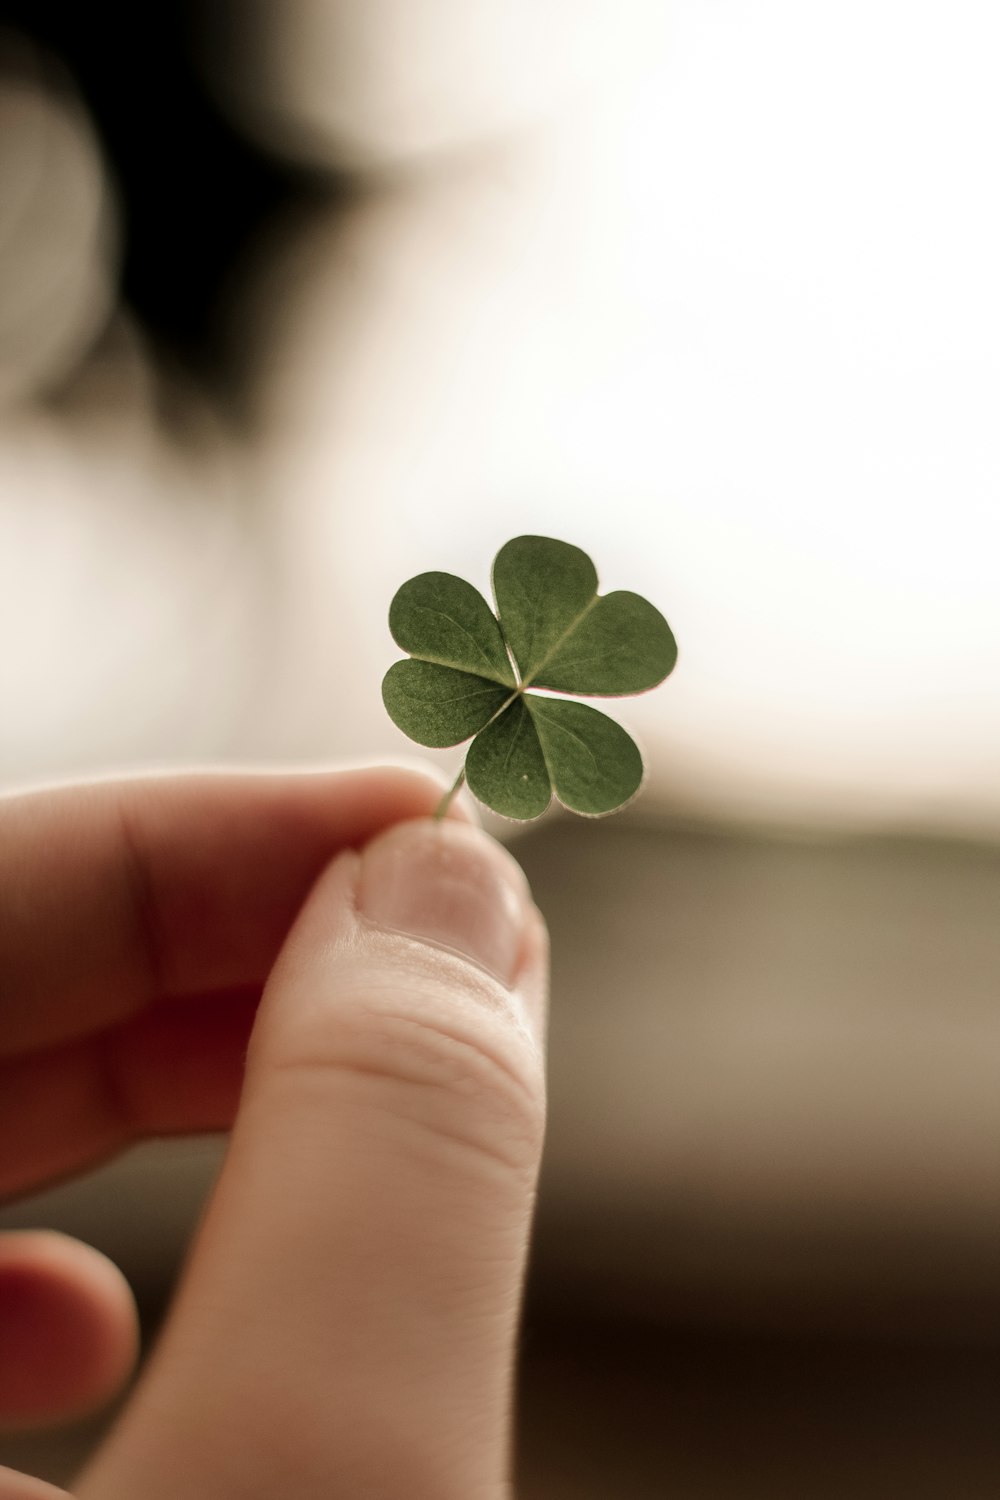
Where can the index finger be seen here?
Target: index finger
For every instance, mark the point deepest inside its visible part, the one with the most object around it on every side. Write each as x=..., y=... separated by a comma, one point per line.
x=118, y=893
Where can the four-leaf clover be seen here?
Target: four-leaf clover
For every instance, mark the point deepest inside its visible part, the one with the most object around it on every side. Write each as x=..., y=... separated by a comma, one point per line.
x=469, y=671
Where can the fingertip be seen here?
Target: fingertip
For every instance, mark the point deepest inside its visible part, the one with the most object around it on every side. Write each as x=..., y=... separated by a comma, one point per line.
x=16, y=1486
x=69, y=1332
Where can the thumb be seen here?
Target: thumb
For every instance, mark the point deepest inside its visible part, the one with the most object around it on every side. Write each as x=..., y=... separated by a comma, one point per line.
x=346, y=1325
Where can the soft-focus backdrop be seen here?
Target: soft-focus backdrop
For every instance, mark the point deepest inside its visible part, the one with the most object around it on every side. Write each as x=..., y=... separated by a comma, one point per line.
x=300, y=299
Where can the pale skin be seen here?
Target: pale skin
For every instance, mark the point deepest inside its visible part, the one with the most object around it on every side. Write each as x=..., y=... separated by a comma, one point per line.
x=346, y=1322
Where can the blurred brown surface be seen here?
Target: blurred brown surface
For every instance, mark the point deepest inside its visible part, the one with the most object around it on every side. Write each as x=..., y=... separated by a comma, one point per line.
x=616, y=1412
x=774, y=1085
x=774, y=1076
x=768, y=1231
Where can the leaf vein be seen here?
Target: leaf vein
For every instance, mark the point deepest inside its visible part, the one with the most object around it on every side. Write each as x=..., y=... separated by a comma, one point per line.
x=553, y=649
x=442, y=615
x=455, y=697
x=570, y=734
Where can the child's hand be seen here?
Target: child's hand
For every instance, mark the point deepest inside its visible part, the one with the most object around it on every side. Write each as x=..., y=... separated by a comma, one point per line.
x=345, y=1325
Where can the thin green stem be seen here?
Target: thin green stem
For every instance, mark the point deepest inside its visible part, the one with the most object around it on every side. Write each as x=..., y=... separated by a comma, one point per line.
x=442, y=806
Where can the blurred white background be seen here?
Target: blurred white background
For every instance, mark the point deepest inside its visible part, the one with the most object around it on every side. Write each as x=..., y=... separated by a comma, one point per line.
x=708, y=289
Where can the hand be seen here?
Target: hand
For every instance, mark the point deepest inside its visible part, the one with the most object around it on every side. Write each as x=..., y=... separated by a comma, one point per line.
x=345, y=1325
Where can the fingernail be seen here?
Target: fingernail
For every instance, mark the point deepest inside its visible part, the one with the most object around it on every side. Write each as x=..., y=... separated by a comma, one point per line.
x=450, y=885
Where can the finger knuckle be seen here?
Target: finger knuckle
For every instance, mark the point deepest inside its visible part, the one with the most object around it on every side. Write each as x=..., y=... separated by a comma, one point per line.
x=459, y=1071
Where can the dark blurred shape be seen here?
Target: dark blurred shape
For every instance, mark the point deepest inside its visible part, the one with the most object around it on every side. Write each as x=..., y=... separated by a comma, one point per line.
x=193, y=191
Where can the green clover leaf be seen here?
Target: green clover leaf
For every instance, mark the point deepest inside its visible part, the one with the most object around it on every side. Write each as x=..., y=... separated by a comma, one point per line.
x=469, y=671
